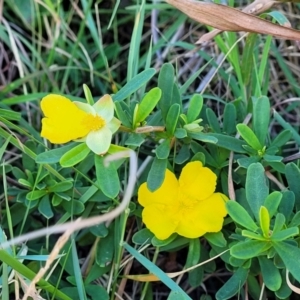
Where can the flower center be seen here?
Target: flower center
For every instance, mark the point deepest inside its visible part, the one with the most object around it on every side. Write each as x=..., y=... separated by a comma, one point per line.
x=93, y=123
x=186, y=202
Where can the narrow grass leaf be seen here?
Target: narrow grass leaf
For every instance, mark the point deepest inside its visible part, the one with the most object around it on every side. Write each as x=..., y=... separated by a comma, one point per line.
x=134, y=84
x=247, y=58
x=287, y=125
x=28, y=273
x=152, y=268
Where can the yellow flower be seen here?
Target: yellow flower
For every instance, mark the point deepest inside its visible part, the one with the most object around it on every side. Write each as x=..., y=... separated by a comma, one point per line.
x=187, y=206
x=66, y=121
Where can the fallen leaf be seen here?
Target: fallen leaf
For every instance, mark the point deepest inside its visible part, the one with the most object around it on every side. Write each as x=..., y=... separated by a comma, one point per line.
x=230, y=19
x=256, y=7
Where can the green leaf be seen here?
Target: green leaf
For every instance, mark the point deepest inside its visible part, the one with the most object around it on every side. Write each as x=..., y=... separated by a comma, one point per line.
x=45, y=207
x=53, y=156
x=292, y=173
x=121, y=110
x=279, y=223
x=284, y=291
x=229, y=142
x=99, y=230
x=296, y=219
x=107, y=177
x=281, y=139
x=233, y=285
x=256, y=188
x=229, y=119
x=249, y=136
x=249, y=248
x=252, y=235
x=165, y=83
x=135, y=140
x=73, y=207
x=142, y=237
x=88, y=94
x=105, y=248
x=245, y=162
x=172, y=119
x=147, y=104
x=270, y=273
x=272, y=202
x=216, y=238
x=180, y=133
x=193, y=258
x=203, y=137
x=285, y=234
x=34, y=195
x=134, y=84
x=240, y=215
x=289, y=255
x=183, y=155
x=194, y=109
x=286, y=205
x=161, y=243
x=156, y=174
x=75, y=155
x=261, y=118
x=264, y=221
x=213, y=120
x=61, y=187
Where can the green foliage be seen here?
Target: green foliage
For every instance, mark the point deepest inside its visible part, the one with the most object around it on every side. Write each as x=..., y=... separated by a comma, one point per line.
x=227, y=113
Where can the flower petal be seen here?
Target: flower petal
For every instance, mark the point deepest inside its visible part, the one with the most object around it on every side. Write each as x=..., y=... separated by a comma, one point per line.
x=159, y=221
x=197, y=181
x=85, y=107
x=166, y=195
x=63, y=120
x=99, y=141
x=105, y=107
x=114, y=124
x=206, y=216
